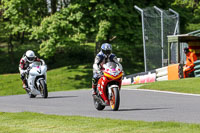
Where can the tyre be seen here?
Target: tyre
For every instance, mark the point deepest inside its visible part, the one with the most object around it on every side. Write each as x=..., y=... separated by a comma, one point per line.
x=115, y=99
x=97, y=105
x=30, y=95
x=43, y=89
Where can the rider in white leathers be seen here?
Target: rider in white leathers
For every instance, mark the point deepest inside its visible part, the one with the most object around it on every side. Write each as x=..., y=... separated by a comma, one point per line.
x=27, y=58
x=101, y=58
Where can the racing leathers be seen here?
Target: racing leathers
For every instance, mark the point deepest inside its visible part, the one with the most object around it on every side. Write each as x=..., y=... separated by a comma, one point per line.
x=23, y=69
x=189, y=66
x=99, y=61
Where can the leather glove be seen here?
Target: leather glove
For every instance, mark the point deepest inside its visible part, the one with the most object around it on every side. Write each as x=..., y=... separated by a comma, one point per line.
x=27, y=70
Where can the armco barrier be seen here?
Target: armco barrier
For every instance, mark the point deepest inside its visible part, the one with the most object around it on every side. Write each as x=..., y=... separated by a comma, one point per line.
x=171, y=72
x=197, y=68
x=162, y=74
x=144, y=77
x=126, y=81
x=150, y=77
x=162, y=78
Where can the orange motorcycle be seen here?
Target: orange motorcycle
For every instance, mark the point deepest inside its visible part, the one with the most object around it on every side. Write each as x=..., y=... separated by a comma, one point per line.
x=108, y=87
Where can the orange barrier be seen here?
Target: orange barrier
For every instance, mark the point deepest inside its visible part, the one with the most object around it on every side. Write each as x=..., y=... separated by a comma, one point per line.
x=173, y=72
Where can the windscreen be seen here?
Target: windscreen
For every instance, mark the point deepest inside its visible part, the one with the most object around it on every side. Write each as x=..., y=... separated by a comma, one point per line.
x=36, y=63
x=111, y=65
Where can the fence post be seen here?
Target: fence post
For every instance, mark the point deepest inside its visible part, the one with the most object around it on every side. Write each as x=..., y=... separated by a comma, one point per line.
x=144, y=44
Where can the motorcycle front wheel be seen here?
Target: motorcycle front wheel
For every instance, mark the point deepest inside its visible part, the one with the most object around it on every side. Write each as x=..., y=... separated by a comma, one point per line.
x=115, y=99
x=43, y=89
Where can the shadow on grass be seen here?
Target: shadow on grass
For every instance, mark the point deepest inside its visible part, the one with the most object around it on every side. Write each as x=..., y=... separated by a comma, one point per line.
x=87, y=80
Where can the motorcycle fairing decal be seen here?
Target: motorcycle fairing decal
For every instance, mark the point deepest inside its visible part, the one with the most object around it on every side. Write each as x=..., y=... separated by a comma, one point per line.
x=39, y=71
x=102, y=89
x=113, y=77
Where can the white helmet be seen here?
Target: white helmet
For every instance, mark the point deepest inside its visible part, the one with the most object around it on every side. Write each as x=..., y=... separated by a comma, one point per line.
x=30, y=56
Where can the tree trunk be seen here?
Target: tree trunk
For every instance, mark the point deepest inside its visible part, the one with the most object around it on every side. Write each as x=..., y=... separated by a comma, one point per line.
x=97, y=48
x=10, y=49
x=22, y=39
x=66, y=3
x=53, y=6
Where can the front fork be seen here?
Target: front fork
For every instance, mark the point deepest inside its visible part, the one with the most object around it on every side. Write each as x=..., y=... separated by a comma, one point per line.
x=110, y=90
x=38, y=82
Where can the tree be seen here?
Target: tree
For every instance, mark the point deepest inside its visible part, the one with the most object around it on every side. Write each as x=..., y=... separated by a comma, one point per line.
x=19, y=17
x=59, y=31
x=189, y=12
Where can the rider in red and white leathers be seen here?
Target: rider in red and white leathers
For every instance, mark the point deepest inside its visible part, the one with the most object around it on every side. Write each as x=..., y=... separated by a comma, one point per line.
x=101, y=58
x=26, y=59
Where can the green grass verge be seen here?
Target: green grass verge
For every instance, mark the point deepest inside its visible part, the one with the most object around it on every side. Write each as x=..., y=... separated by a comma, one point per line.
x=64, y=78
x=27, y=122
x=188, y=85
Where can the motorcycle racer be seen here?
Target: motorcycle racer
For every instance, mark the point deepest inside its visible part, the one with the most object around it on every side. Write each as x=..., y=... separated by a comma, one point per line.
x=26, y=59
x=104, y=56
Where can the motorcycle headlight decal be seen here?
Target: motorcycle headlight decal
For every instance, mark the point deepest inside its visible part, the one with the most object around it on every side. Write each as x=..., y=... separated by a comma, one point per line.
x=112, y=76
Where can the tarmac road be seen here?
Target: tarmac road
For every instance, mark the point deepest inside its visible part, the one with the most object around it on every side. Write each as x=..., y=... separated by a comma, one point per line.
x=134, y=105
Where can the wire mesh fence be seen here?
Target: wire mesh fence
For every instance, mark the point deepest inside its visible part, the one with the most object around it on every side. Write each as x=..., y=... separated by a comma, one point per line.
x=157, y=25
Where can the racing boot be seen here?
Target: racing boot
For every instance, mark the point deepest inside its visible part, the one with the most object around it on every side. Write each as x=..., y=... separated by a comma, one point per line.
x=94, y=87
x=25, y=86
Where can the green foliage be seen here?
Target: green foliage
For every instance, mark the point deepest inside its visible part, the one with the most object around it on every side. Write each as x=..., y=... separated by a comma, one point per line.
x=22, y=14
x=189, y=12
x=85, y=21
x=82, y=21
x=103, y=30
x=59, y=31
x=186, y=3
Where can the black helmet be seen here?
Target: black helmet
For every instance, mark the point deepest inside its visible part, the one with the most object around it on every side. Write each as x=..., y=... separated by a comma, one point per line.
x=186, y=50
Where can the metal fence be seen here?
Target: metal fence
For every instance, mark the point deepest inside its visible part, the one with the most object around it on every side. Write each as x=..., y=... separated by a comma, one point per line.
x=157, y=24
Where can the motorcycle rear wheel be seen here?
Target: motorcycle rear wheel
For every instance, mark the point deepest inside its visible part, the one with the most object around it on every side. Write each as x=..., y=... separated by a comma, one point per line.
x=43, y=89
x=30, y=95
x=115, y=100
x=98, y=105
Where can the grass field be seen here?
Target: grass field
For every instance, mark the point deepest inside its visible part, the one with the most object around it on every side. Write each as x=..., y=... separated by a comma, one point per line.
x=64, y=78
x=40, y=123
x=188, y=85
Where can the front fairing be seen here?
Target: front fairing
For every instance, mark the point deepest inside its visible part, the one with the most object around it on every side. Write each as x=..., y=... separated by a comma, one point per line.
x=36, y=73
x=38, y=70
x=111, y=76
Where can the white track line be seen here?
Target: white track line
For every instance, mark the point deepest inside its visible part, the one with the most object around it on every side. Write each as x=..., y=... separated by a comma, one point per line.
x=168, y=92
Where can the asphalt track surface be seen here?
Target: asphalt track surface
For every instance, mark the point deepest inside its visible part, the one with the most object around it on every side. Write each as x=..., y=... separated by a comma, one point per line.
x=134, y=105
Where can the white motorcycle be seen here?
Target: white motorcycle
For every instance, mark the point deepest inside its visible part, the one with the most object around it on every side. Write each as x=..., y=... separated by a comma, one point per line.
x=36, y=79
